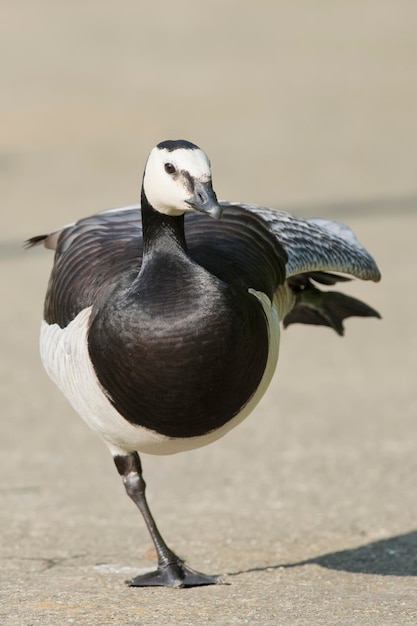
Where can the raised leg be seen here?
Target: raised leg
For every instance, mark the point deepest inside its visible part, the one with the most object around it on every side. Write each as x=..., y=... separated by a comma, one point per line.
x=172, y=571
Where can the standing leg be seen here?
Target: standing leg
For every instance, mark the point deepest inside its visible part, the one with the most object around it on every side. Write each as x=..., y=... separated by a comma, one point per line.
x=172, y=571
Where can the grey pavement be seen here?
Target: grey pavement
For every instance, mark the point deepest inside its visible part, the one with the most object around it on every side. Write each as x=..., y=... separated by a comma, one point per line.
x=309, y=508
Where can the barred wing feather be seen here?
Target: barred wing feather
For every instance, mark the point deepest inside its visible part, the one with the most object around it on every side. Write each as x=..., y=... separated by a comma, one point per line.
x=316, y=244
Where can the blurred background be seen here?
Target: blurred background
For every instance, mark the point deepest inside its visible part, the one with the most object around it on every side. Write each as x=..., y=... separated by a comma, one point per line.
x=307, y=107
x=294, y=103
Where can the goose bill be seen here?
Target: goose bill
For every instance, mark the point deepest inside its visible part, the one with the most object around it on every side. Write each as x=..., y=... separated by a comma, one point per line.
x=204, y=200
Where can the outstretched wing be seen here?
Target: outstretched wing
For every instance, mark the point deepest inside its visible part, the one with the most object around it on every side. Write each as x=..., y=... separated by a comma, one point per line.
x=316, y=244
x=105, y=249
x=253, y=246
x=315, y=247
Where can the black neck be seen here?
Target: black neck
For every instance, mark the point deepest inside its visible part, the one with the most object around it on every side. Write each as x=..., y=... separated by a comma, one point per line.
x=161, y=232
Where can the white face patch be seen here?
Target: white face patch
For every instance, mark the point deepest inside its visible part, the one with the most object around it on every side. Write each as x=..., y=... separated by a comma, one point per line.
x=168, y=192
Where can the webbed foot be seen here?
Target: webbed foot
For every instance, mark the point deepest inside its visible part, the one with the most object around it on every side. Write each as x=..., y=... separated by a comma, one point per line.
x=175, y=574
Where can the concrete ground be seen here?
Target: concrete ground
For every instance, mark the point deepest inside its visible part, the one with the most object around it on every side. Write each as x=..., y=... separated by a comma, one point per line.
x=308, y=509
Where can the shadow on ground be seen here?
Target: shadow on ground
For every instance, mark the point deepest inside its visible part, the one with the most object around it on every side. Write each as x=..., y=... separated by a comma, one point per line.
x=396, y=556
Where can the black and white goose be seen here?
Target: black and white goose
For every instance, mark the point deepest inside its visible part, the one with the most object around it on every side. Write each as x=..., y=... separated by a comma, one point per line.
x=164, y=338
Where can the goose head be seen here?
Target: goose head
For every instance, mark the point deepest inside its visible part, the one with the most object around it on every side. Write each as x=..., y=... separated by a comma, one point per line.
x=177, y=179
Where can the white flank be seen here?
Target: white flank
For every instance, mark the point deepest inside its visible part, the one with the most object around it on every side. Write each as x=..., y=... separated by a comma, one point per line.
x=64, y=353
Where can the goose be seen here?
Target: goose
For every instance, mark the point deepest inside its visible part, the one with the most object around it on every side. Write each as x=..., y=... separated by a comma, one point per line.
x=162, y=320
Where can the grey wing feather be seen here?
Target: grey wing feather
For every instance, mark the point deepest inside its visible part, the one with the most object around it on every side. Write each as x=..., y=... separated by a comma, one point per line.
x=312, y=244
x=108, y=219
x=103, y=249
x=108, y=249
x=316, y=244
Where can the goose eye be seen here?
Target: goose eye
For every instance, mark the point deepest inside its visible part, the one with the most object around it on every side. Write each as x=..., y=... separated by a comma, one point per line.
x=169, y=168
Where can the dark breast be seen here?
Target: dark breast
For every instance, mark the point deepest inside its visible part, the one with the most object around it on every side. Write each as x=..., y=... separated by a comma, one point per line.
x=184, y=347
x=179, y=351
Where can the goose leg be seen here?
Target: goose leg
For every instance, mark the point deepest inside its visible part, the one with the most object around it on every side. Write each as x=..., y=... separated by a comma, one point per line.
x=171, y=571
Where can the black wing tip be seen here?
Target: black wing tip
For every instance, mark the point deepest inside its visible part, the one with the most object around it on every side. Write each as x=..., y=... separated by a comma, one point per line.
x=373, y=273
x=34, y=241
